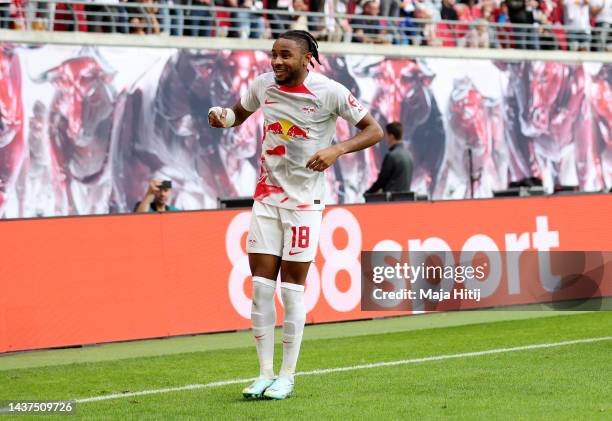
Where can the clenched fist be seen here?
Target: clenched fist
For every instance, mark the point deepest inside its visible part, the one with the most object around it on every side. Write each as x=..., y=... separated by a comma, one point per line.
x=324, y=158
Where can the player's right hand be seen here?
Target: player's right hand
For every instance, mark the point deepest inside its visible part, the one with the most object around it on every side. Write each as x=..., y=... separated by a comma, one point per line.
x=216, y=117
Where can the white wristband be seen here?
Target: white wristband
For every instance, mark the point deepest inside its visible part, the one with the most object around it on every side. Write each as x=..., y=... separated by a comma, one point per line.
x=230, y=116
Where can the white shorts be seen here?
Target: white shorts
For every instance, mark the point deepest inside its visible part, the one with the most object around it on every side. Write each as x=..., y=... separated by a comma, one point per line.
x=290, y=234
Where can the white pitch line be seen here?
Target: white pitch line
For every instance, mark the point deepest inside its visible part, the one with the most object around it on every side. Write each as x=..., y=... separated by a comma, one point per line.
x=349, y=368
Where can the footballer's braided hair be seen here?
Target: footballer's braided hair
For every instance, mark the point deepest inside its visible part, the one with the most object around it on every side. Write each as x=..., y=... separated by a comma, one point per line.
x=306, y=40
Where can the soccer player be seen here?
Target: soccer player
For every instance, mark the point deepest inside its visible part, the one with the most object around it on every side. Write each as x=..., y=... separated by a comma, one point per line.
x=300, y=111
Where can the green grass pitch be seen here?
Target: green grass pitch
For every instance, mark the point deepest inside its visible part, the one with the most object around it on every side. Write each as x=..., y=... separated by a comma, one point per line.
x=569, y=382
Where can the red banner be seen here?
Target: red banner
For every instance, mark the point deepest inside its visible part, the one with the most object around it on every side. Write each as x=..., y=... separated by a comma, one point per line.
x=71, y=281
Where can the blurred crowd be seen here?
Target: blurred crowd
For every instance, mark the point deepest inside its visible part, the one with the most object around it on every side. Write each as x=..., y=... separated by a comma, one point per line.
x=584, y=25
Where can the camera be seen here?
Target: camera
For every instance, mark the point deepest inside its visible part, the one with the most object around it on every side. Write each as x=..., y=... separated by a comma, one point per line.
x=166, y=184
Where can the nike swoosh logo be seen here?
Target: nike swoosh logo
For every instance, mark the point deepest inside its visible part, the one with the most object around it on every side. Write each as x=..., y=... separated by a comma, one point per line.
x=292, y=253
x=259, y=337
x=270, y=102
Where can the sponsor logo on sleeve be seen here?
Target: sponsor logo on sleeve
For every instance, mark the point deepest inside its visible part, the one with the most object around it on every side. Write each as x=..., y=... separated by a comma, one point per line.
x=354, y=103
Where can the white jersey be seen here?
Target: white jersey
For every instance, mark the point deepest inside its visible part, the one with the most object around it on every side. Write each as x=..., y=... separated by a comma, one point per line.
x=298, y=122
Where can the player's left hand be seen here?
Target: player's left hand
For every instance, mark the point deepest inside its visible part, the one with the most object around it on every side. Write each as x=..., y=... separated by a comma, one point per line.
x=323, y=159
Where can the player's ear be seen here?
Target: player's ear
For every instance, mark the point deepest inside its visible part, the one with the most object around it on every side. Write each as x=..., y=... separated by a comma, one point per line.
x=308, y=59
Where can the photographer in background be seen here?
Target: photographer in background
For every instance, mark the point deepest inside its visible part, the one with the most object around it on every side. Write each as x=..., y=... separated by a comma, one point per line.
x=157, y=197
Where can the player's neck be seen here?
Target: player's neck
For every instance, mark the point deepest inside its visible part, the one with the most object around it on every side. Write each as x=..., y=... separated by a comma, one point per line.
x=298, y=81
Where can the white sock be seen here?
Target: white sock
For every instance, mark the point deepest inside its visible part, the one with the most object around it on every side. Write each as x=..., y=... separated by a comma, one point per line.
x=293, y=326
x=263, y=319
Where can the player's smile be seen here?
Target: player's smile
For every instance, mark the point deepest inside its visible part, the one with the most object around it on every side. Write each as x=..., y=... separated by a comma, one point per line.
x=283, y=75
x=279, y=72
x=282, y=71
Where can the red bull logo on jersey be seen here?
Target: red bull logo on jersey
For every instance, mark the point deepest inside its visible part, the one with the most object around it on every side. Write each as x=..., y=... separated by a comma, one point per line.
x=287, y=130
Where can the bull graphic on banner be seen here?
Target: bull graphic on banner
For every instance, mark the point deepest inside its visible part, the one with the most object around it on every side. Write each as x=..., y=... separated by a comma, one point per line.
x=83, y=129
x=12, y=142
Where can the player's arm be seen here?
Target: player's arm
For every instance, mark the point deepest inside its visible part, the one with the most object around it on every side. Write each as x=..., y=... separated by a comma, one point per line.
x=370, y=133
x=221, y=118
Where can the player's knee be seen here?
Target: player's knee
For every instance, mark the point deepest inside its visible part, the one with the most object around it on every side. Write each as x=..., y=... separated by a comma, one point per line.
x=298, y=278
x=265, y=271
x=264, y=267
x=294, y=272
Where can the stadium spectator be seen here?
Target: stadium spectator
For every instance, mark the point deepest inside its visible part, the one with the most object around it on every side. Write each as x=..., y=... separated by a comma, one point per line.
x=5, y=14
x=98, y=17
x=163, y=16
x=408, y=28
x=517, y=11
x=534, y=17
x=577, y=20
x=467, y=11
x=601, y=10
x=342, y=26
x=144, y=19
x=122, y=18
x=487, y=10
x=157, y=197
x=299, y=22
x=479, y=35
x=235, y=19
x=316, y=24
x=533, y=9
x=396, y=171
x=471, y=9
x=501, y=33
x=418, y=22
x=201, y=21
x=258, y=22
x=137, y=26
x=417, y=26
x=428, y=29
x=329, y=27
x=16, y=14
x=409, y=32
x=447, y=30
x=390, y=11
x=448, y=12
x=541, y=11
x=368, y=29
x=389, y=8
x=177, y=18
x=502, y=13
x=431, y=6
x=279, y=23
x=407, y=8
x=67, y=15
x=554, y=10
x=150, y=12
x=245, y=22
